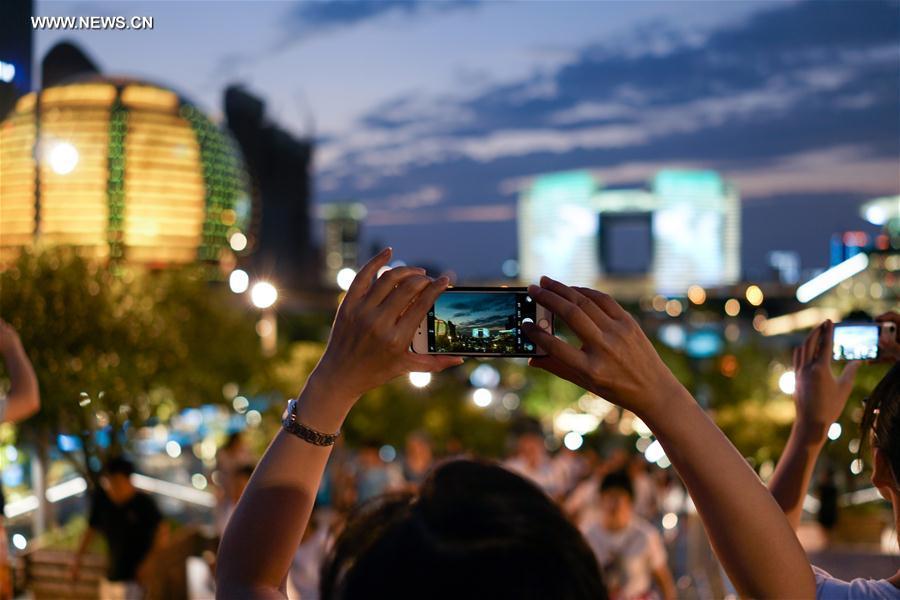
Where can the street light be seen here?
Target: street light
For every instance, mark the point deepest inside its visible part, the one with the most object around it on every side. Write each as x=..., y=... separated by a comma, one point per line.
x=263, y=295
x=239, y=281
x=63, y=158
x=345, y=277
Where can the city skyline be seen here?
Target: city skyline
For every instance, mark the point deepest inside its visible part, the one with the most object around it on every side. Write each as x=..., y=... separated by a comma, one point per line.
x=794, y=102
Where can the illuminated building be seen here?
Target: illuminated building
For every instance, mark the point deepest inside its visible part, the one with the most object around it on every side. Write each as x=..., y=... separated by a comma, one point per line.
x=122, y=169
x=684, y=231
x=343, y=229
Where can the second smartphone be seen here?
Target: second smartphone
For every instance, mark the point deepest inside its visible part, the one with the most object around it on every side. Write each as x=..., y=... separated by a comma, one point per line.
x=481, y=321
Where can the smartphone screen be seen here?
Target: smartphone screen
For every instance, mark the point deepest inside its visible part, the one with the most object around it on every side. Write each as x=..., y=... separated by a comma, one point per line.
x=484, y=322
x=856, y=341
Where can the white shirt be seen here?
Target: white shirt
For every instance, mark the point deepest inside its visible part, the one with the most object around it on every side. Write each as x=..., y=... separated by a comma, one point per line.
x=548, y=475
x=830, y=588
x=627, y=557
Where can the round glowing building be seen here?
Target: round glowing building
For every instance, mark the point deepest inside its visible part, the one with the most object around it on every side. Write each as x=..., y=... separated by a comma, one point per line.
x=122, y=169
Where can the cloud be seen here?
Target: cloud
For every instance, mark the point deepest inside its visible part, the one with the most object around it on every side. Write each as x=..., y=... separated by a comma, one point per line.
x=313, y=17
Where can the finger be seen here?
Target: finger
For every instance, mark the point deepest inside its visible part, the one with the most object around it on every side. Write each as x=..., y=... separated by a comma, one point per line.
x=571, y=313
x=845, y=381
x=431, y=363
x=588, y=306
x=798, y=359
x=400, y=297
x=555, y=347
x=606, y=302
x=889, y=317
x=420, y=306
x=363, y=280
x=809, y=346
x=824, y=343
x=385, y=284
x=551, y=364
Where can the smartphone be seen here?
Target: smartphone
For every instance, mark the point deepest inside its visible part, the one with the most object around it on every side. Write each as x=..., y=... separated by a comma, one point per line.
x=859, y=341
x=481, y=321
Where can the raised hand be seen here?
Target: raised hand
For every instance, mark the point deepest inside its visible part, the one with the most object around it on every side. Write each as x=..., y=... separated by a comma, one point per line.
x=615, y=360
x=889, y=349
x=819, y=395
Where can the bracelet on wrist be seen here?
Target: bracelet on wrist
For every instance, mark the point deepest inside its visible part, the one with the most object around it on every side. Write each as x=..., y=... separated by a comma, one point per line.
x=306, y=433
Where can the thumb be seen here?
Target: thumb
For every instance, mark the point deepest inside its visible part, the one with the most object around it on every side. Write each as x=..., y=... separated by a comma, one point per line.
x=431, y=363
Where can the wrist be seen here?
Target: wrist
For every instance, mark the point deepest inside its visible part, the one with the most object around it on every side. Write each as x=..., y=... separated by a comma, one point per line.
x=322, y=405
x=809, y=433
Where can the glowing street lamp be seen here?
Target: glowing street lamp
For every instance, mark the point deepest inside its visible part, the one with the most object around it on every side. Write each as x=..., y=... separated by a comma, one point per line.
x=239, y=281
x=345, y=277
x=263, y=294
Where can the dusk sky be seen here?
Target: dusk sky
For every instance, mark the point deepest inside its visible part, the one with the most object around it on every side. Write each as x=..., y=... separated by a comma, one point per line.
x=476, y=310
x=433, y=113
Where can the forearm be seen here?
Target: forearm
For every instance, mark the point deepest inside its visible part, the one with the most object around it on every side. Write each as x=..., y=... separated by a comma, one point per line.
x=82, y=546
x=269, y=520
x=665, y=583
x=742, y=520
x=24, y=397
x=791, y=478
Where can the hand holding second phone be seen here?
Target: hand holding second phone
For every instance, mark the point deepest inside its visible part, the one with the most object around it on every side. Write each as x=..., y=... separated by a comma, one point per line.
x=819, y=396
x=616, y=360
x=369, y=342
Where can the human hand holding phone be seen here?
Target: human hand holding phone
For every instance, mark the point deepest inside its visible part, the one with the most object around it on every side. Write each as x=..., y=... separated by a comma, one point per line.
x=615, y=360
x=889, y=344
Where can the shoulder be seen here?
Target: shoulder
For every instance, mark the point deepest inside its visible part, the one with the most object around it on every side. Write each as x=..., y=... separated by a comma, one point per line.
x=831, y=588
x=644, y=528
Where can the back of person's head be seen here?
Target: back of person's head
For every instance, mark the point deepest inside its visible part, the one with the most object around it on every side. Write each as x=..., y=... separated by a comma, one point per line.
x=618, y=481
x=475, y=530
x=233, y=441
x=118, y=465
x=881, y=420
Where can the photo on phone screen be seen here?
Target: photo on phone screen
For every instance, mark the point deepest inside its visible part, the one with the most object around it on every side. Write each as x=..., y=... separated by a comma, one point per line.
x=484, y=322
x=856, y=341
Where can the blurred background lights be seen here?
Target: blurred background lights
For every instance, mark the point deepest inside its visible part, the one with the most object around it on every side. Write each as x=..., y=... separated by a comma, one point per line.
x=238, y=241
x=654, y=452
x=510, y=267
x=834, y=432
x=381, y=271
x=856, y=467
x=510, y=401
x=198, y=480
x=263, y=294
x=754, y=295
x=732, y=307
x=239, y=281
x=253, y=418
x=419, y=380
x=19, y=541
x=240, y=404
x=173, y=448
x=345, y=278
x=63, y=158
x=387, y=453
x=573, y=440
x=485, y=376
x=696, y=294
x=670, y=520
x=787, y=383
x=673, y=308
x=569, y=420
x=482, y=397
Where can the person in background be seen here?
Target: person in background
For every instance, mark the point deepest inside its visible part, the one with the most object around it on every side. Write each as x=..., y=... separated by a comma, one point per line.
x=133, y=527
x=22, y=401
x=375, y=477
x=531, y=459
x=828, y=502
x=417, y=460
x=230, y=458
x=240, y=478
x=645, y=499
x=629, y=550
x=582, y=503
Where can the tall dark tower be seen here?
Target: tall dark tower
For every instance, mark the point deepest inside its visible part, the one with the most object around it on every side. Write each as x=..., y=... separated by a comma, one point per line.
x=15, y=52
x=279, y=167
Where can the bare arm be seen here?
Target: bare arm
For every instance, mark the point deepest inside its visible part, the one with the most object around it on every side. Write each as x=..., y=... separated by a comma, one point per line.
x=665, y=582
x=79, y=553
x=618, y=362
x=819, y=398
x=24, y=397
x=369, y=345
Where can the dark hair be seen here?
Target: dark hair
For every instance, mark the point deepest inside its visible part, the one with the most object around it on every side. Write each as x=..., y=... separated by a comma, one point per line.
x=617, y=480
x=244, y=471
x=475, y=529
x=881, y=420
x=233, y=438
x=118, y=465
x=527, y=426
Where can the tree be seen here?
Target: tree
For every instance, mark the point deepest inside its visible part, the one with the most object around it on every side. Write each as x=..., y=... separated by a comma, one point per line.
x=115, y=346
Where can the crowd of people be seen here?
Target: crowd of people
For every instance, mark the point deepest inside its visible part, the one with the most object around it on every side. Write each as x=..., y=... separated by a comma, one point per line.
x=315, y=519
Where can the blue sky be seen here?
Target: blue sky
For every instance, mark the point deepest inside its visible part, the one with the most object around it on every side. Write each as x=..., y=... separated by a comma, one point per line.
x=433, y=113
